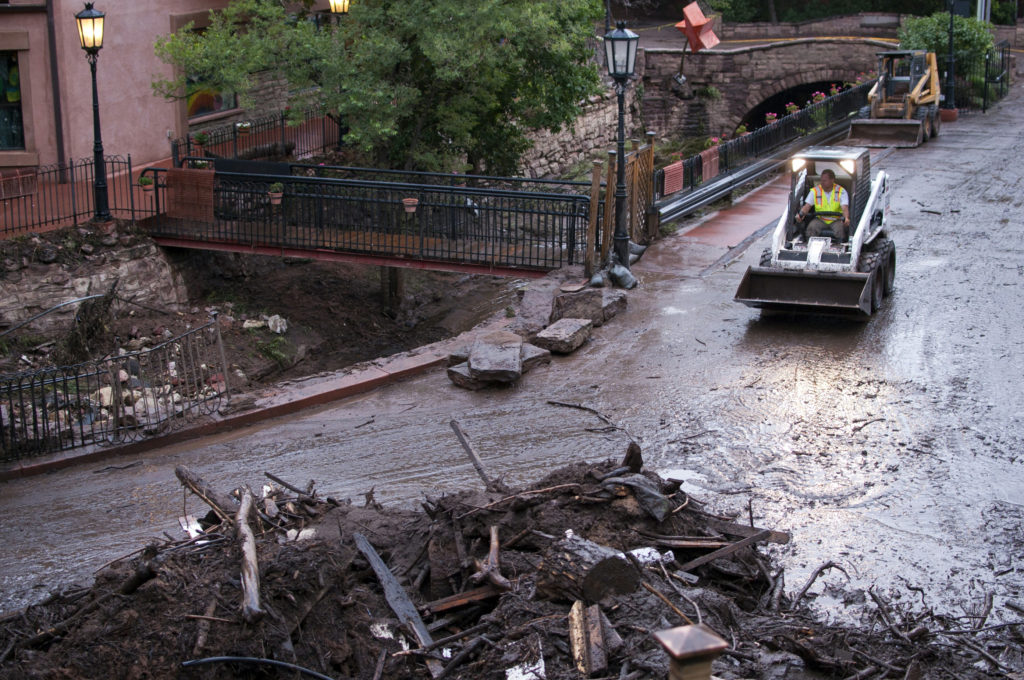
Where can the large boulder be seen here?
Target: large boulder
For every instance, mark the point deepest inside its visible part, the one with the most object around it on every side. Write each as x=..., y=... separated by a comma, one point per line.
x=565, y=335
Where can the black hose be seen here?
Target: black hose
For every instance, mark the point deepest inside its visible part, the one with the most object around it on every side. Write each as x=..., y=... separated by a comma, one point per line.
x=257, y=661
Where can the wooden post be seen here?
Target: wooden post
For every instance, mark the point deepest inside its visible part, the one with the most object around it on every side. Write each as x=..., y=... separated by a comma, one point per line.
x=609, y=208
x=591, y=240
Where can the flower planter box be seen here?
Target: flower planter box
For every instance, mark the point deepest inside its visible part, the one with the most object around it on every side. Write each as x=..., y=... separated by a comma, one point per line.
x=948, y=115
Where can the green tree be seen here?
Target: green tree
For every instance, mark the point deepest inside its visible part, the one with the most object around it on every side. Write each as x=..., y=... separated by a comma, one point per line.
x=972, y=39
x=428, y=85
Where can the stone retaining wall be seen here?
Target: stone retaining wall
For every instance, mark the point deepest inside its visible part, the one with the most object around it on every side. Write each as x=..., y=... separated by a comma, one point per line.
x=143, y=273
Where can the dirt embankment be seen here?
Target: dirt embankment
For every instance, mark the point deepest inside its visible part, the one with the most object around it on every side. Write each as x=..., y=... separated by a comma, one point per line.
x=485, y=585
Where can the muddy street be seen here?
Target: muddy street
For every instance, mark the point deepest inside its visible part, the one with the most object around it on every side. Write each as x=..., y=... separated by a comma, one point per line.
x=891, y=447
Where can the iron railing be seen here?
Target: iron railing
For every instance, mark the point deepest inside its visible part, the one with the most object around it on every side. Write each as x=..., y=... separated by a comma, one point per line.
x=981, y=82
x=269, y=136
x=60, y=195
x=488, y=226
x=741, y=151
x=113, y=400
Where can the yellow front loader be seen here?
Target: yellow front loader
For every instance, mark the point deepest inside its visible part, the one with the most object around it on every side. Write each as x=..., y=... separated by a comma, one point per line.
x=903, y=104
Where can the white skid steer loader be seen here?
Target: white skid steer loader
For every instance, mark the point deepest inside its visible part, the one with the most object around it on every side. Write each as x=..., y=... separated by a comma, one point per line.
x=823, y=274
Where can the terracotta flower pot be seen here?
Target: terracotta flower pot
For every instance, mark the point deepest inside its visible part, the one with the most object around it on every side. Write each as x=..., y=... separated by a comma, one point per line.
x=410, y=204
x=949, y=115
x=275, y=197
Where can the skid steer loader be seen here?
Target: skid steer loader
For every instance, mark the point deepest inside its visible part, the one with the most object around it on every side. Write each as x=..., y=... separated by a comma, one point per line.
x=903, y=108
x=822, y=274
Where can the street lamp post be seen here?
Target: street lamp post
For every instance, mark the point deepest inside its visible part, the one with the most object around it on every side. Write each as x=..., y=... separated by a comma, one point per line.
x=950, y=61
x=90, y=35
x=620, y=50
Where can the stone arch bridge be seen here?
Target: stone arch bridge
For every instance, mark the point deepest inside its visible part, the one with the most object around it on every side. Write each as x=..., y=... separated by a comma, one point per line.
x=723, y=86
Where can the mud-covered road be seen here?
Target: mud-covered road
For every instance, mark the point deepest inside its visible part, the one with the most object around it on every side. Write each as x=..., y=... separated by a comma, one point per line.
x=893, y=448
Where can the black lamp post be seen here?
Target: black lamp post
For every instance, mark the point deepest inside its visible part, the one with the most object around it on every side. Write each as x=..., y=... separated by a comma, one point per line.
x=620, y=50
x=90, y=35
x=950, y=100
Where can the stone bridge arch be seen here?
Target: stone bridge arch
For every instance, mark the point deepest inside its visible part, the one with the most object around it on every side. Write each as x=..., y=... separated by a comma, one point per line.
x=724, y=85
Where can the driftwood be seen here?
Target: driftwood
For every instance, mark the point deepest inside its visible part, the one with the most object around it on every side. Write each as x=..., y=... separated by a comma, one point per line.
x=251, y=610
x=398, y=600
x=490, y=568
x=484, y=592
x=221, y=503
x=575, y=568
x=489, y=484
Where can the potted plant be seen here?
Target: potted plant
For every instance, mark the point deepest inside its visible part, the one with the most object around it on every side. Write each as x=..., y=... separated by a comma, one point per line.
x=200, y=165
x=146, y=183
x=200, y=139
x=410, y=204
x=275, y=191
x=243, y=127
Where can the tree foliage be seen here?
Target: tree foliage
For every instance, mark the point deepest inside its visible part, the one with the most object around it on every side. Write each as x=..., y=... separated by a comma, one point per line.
x=430, y=85
x=972, y=39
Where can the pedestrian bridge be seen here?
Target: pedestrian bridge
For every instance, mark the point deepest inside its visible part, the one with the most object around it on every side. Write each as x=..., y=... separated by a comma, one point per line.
x=492, y=225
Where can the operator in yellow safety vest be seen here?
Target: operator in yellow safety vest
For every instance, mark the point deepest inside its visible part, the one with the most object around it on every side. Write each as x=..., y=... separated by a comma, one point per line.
x=829, y=197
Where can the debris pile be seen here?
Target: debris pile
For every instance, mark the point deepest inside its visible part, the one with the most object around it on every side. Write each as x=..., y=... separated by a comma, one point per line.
x=571, y=577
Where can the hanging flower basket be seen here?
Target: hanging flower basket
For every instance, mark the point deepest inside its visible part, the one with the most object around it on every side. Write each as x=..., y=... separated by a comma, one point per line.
x=275, y=192
x=410, y=204
x=243, y=127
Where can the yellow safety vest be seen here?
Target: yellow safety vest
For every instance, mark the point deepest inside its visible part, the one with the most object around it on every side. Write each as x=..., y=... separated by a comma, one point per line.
x=828, y=202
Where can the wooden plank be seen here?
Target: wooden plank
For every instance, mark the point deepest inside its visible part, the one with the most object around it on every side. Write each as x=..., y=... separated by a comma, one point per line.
x=744, y=530
x=724, y=552
x=597, y=658
x=591, y=240
x=484, y=592
x=399, y=600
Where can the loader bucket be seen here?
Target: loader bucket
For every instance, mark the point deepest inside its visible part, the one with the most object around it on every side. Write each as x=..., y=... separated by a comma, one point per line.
x=837, y=294
x=878, y=132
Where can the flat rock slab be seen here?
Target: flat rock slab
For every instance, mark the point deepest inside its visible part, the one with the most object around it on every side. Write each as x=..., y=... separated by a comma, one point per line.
x=565, y=335
x=460, y=376
x=596, y=304
x=496, y=357
x=533, y=356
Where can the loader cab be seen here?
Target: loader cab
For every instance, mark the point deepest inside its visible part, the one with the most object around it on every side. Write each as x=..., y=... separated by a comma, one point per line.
x=851, y=166
x=901, y=70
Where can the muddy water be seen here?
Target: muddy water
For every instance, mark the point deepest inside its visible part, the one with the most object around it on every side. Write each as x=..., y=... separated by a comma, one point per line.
x=892, y=447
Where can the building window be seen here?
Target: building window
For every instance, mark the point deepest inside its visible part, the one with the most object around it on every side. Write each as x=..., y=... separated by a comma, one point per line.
x=12, y=133
x=203, y=100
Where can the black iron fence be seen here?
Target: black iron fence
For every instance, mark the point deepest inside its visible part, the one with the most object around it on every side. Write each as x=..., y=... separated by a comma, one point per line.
x=487, y=226
x=688, y=174
x=54, y=196
x=981, y=82
x=113, y=400
x=266, y=137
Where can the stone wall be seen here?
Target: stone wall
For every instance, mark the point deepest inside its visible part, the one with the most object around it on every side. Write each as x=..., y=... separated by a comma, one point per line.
x=143, y=273
x=590, y=136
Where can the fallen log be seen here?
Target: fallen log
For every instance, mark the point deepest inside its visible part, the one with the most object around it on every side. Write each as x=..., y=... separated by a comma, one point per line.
x=251, y=610
x=575, y=568
x=398, y=600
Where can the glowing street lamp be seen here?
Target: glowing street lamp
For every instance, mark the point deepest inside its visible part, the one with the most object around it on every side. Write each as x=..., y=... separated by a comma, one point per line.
x=90, y=36
x=620, y=51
